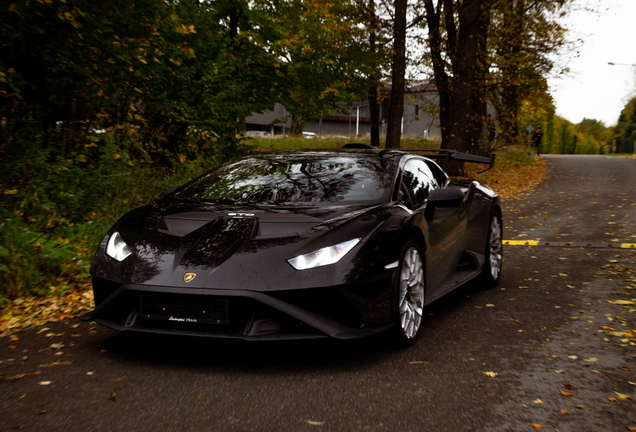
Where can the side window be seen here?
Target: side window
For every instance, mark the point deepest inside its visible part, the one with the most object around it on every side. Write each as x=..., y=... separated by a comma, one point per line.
x=419, y=181
x=438, y=174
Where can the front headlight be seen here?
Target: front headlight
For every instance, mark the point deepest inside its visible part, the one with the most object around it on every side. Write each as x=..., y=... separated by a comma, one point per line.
x=117, y=248
x=324, y=256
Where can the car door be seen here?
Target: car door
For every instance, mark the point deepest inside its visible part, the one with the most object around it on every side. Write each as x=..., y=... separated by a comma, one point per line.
x=446, y=229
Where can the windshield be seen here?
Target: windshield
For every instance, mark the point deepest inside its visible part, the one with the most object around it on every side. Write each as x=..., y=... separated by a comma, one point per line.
x=281, y=179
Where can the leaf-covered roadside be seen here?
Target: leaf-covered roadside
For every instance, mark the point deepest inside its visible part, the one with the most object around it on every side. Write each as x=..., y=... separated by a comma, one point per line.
x=38, y=310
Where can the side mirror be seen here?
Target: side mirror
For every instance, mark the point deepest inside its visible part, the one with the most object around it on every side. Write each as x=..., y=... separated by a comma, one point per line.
x=170, y=190
x=441, y=198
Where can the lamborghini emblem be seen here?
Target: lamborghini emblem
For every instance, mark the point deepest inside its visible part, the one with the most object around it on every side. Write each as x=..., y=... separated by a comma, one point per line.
x=188, y=277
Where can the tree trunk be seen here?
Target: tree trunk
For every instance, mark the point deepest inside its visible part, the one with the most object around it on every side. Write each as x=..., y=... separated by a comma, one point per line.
x=297, y=125
x=375, y=115
x=442, y=80
x=481, y=123
x=460, y=103
x=373, y=88
x=396, y=107
x=513, y=21
x=242, y=126
x=461, y=113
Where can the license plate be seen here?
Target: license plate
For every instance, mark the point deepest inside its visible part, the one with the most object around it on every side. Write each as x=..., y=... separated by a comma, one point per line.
x=198, y=311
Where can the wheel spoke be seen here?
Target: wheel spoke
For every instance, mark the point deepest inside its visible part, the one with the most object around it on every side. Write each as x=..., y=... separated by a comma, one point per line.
x=495, y=248
x=411, y=295
x=404, y=307
x=418, y=311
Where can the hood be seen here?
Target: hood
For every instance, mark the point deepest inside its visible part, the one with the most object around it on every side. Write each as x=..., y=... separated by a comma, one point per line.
x=225, y=245
x=179, y=219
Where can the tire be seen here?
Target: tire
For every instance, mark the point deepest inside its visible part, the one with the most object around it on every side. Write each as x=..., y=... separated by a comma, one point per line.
x=408, y=297
x=494, y=254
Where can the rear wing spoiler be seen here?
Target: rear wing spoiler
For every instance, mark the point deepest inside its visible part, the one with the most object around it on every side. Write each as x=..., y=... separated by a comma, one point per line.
x=446, y=154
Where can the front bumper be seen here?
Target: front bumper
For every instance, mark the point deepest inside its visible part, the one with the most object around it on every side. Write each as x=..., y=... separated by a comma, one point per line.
x=340, y=313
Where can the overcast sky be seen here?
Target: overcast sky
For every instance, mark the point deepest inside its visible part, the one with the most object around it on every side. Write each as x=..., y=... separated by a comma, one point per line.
x=593, y=89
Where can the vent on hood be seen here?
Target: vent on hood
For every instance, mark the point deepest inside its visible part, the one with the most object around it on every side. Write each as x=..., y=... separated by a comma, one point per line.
x=179, y=227
x=269, y=225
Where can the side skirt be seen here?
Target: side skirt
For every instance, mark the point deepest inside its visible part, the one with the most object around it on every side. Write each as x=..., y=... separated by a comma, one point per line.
x=463, y=274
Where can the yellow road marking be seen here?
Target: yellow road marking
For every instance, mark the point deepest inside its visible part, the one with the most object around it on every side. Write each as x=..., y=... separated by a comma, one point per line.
x=521, y=242
x=536, y=242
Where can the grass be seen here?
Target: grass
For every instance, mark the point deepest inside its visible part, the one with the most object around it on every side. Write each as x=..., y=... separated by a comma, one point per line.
x=292, y=143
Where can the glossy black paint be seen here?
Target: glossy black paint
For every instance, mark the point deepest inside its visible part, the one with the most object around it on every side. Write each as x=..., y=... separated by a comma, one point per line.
x=239, y=254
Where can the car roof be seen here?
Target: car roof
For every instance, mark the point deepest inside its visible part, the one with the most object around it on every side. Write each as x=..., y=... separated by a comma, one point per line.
x=323, y=153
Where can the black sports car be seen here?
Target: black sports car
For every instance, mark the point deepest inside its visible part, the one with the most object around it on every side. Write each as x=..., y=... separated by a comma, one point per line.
x=300, y=244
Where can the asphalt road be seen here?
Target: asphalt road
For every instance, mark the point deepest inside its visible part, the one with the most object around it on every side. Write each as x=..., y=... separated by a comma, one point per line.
x=548, y=329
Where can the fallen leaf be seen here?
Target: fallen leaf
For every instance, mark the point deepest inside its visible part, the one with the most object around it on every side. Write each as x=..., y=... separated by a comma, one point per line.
x=631, y=428
x=564, y=411
x=315, y=423
x=572, y=357
x=90, y=373
x=622, y=302
x=592, y=360
x=564, y=393
x=631, y=383
x=15, y=377
x=580, y=407
x=538, y=401
x=622, y=396
x=45, y=382
x=537, y=426
x=112, y=397
x=64, y=363
x=490, y=305
x=569, y=386
x=560, y=371
x=491, y=374
x=524, y=406
x=611, y=399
